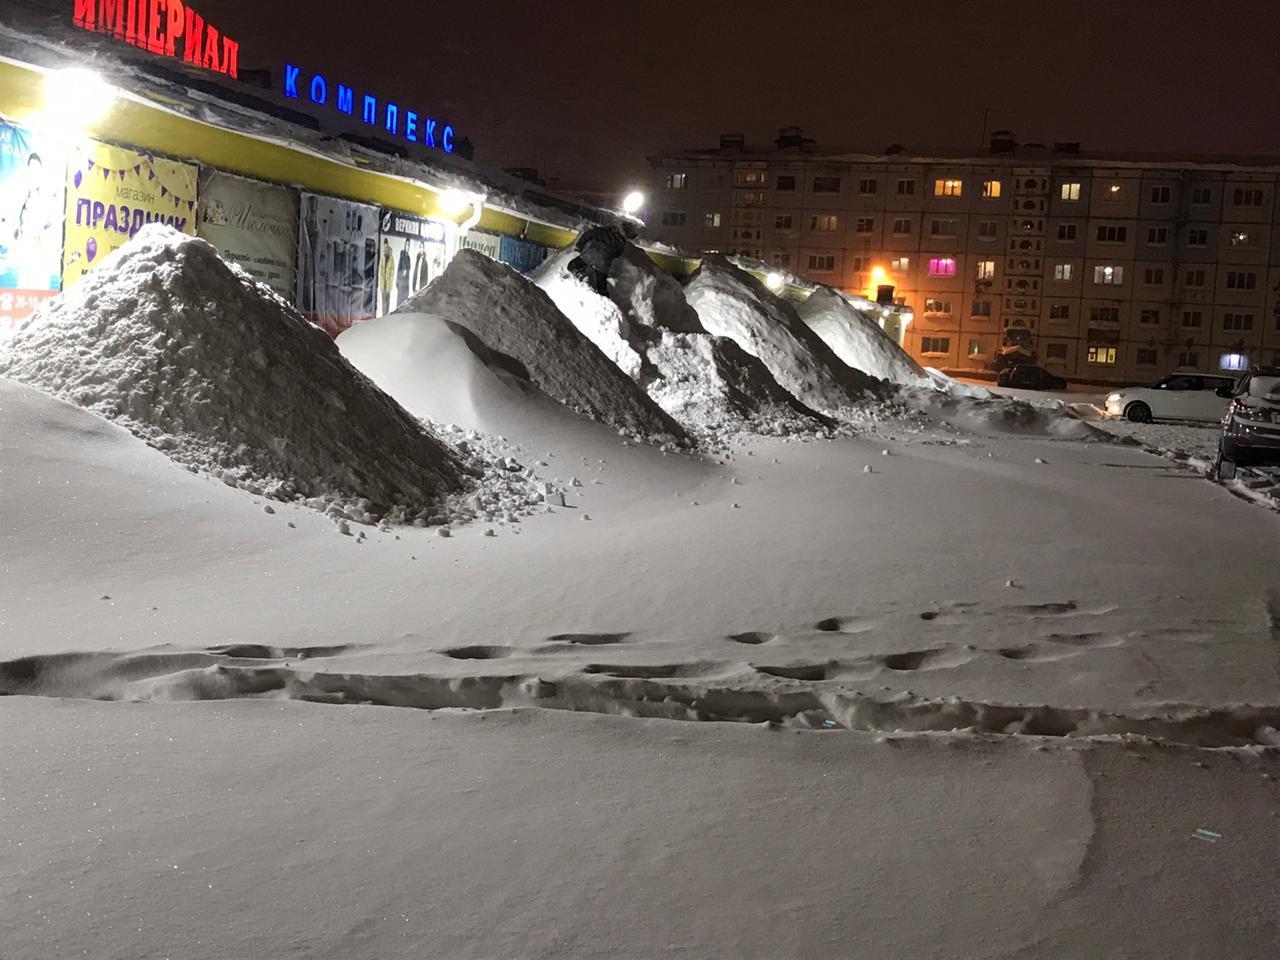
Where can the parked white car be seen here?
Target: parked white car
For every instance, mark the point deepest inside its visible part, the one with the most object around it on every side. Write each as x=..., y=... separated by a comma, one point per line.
x=1180, y=396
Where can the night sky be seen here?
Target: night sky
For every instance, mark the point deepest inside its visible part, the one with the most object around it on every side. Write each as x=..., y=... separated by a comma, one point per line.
x=585, y=89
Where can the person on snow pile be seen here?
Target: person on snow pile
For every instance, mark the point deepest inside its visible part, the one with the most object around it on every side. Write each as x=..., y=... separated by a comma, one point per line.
x=597, y=248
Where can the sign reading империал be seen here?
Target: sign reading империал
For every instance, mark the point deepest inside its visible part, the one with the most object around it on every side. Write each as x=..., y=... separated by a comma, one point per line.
x=169, y=28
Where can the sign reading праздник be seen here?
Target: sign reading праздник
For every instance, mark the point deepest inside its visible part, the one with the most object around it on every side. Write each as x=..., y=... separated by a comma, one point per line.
x=410, y=125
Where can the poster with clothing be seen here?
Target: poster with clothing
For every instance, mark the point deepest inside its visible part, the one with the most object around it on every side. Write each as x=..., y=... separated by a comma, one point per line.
x=338, y=268
x=253, y=225
x=32, y=181
x=413, y=251
x=112, y=193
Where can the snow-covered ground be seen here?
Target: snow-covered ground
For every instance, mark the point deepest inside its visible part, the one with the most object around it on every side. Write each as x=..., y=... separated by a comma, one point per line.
x=928, y=688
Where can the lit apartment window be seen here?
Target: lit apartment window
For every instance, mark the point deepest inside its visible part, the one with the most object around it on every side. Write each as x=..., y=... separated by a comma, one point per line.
x=1149, y=317
x=935, y=345
x=976, y=349
x=900, y=264
x=947, y=188
x=1112, y=192
x=1246, y=198
x=677, y=181
x=1198, y=237
x=752, y=198
x=749, y=178
x=943, y=228
x=1189, y=358
x=906, y=188
x=991, y=188
x=1070, y=191
x=1112, y=234
x=826, y=184
x=1102, y=356
x=782, y=259
x=1104, y=314
x=867, y=186
x=1059, y=311
x=861, y=264
x=1201, y=196
x=1066, y=231
x=980, y=308
x=782, y=221
x=674, y=218
x=942, y=267
x=1161, y=194
x=822, y=262
x=1192, y=319
x=1241, y=280
x=829, y=223
x=1242, y=238
x=1062, y=271
x=1147, y=357
x=988, y=229
x=1055, y=351
x=1237, y=321
x=1153, y=276
x=937, y=306
x=784, y=183
x=1193, y=278
x=902, y=226
x=711, y=220
x=1108, y=275
x=1234, y=362
x=1157, y=236
x=986, y=269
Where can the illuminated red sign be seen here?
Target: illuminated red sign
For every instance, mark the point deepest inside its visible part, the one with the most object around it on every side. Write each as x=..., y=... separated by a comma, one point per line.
x=167, y=27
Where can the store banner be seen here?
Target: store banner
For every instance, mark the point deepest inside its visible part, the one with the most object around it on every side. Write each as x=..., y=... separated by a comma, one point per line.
x=112, y=193
x=522, y=255
x=488, y=244
x=253, y=225
x=32, y=175
x=337, y=262
x=411, y=253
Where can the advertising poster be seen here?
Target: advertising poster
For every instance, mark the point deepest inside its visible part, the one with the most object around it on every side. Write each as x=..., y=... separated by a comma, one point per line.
x=112, y=193
x=253, y=225
x=488, y=244
x=31, y=184
x=521, y=255
x=411, y=253
x=337, y=262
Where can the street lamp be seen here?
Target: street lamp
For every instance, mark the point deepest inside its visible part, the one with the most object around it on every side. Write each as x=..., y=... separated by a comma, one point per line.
x=632, y=202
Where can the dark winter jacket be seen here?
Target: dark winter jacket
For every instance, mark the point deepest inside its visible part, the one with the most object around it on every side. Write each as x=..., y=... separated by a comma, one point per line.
x=600, y=246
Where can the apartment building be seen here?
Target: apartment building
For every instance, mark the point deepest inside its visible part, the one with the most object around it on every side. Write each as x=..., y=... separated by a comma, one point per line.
x=1108, y=267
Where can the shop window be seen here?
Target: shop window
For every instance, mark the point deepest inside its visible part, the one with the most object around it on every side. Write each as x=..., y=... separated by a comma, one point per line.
x=935, y=345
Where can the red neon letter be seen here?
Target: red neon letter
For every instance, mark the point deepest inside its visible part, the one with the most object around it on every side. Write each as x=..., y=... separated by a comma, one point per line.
x=135, y=22
x=230, y=55
x=177, y=19
x=86, y=14
x=113, y=17
x=210, y=60
x=194, y=47
x=155, y=42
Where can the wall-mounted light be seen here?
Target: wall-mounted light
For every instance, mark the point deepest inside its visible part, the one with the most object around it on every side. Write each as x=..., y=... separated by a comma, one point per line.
x=774, y=281
x=633, y=202
x=74, y=99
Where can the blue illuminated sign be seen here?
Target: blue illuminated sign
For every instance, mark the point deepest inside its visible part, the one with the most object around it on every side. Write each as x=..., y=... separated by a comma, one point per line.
x=386, y=115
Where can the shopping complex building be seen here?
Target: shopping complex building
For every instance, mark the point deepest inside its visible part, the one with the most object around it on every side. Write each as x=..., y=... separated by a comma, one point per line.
x=1107, y=267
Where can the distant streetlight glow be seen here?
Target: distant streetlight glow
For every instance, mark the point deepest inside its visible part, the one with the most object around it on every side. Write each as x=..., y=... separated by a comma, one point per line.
x=632, y=202
x=774, y=281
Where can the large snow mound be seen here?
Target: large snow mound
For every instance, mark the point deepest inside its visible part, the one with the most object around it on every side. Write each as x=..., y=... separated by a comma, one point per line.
x=998, y=415
x=512, y=316
x=203, y=362
x=732, y=303
x=857, y=338
x=709, y=384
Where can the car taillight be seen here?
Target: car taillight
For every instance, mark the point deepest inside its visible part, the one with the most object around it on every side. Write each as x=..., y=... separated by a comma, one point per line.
x=1245, y=412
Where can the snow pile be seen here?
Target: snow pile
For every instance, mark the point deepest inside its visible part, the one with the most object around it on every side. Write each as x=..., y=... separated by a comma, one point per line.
x=204, y=363
x=512, y=316
x=1000, y=415
x=857, y=338
x=732, y=303
x=710, y=384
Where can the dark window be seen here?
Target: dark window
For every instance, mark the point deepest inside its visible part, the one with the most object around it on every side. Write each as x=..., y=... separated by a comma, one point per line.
x=826, y=184
x=785, y=183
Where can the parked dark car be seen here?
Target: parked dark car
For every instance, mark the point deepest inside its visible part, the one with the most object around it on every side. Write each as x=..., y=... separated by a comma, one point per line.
x=1251, y=428
x=1027, y=376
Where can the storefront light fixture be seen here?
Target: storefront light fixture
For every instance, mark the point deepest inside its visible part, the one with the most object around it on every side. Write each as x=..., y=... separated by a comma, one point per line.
x=632, y=203
x=75, y=99
x=454, y=202
x=774, y=281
